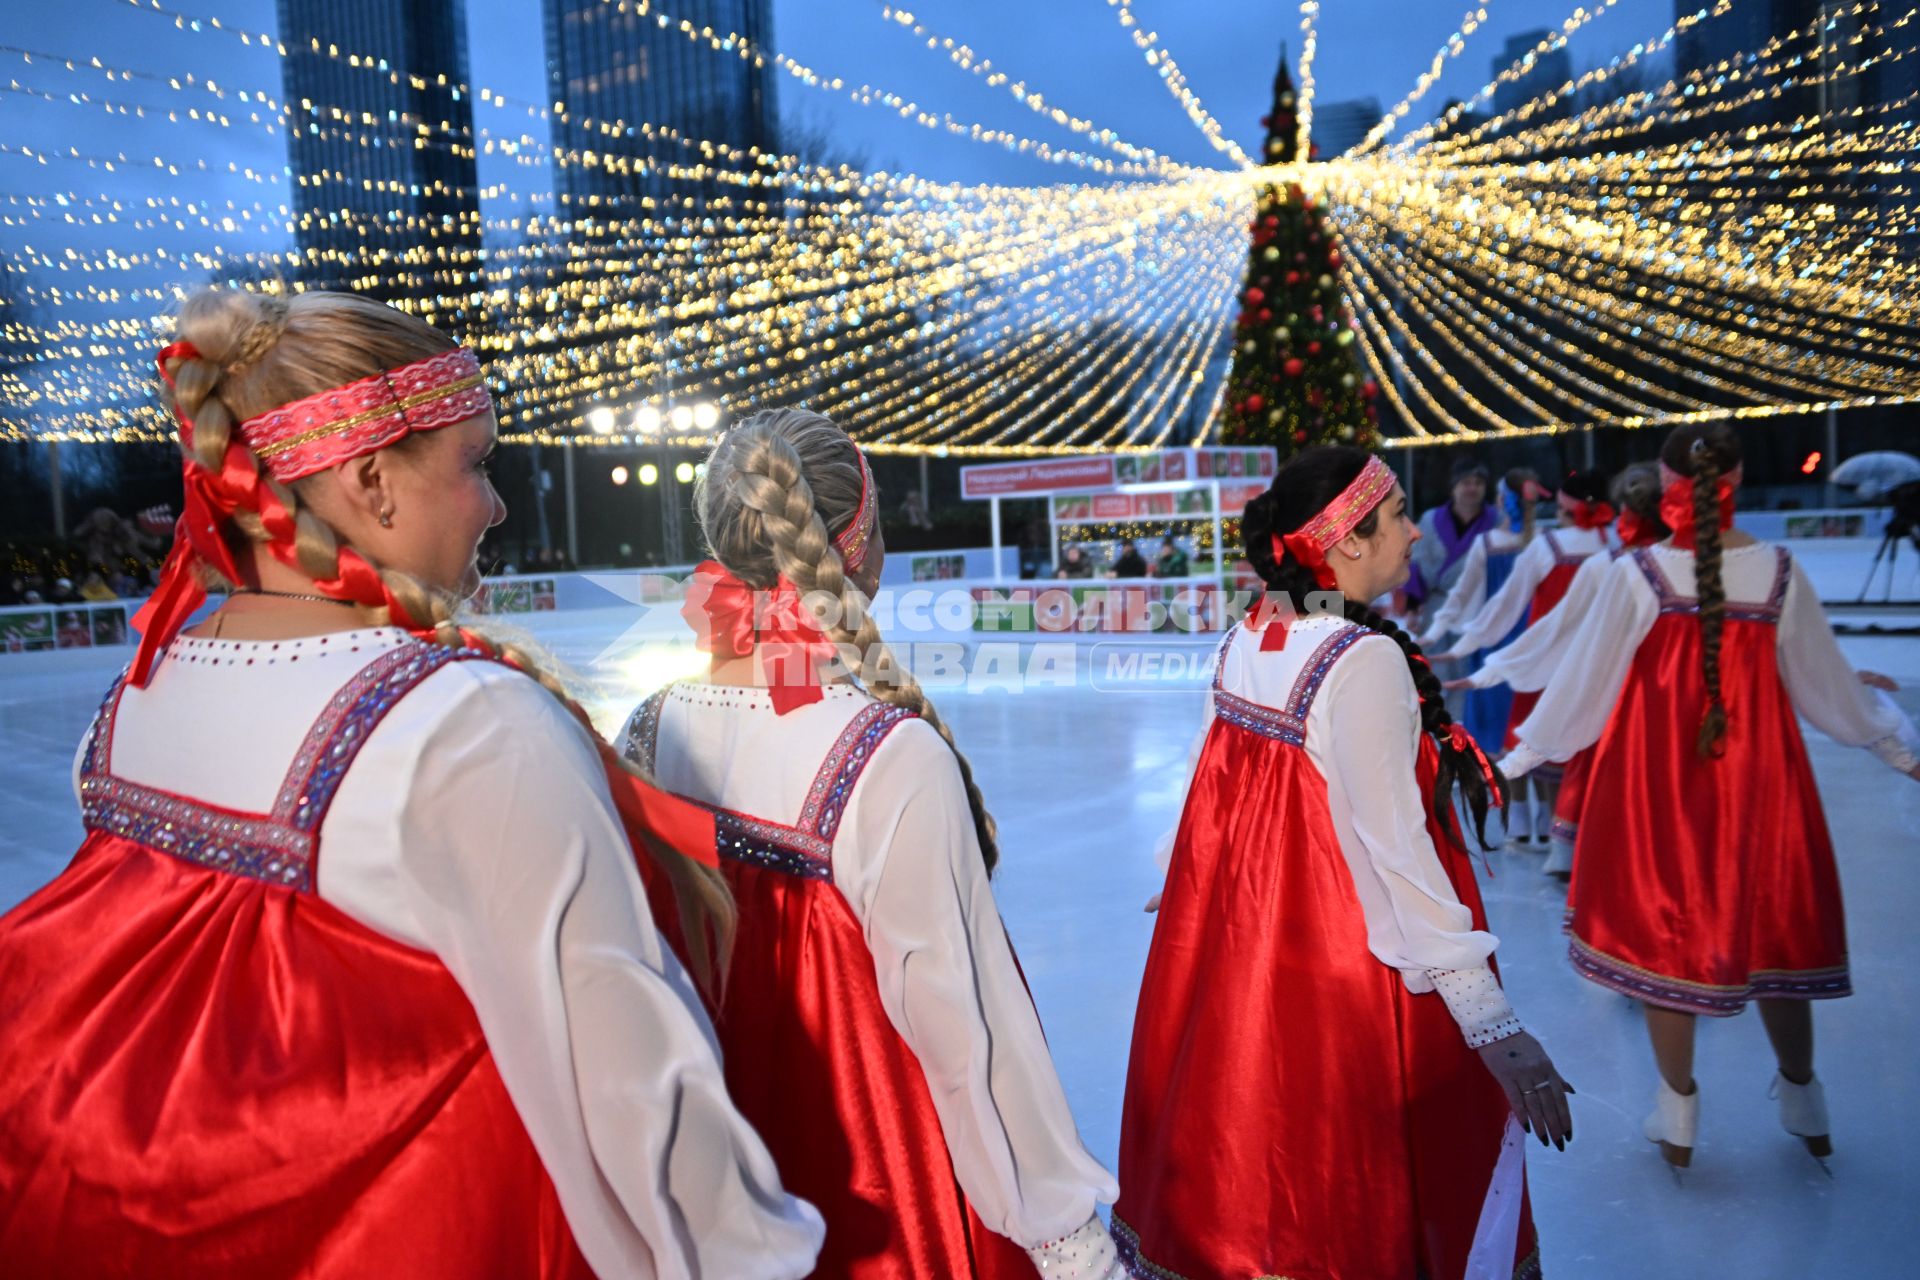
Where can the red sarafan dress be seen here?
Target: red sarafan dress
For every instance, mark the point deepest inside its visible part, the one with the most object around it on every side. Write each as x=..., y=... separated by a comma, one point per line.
x=208, y=1070
x=1701, y=884
x=823, y=994
x=354, y=976
x=1292, y=1108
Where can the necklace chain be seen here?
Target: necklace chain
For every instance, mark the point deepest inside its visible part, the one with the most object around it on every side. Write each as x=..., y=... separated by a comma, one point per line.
x=289, y=595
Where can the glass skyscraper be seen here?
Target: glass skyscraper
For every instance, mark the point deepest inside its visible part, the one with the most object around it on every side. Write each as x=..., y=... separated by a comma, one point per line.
x=381, y=142
x=635, y=90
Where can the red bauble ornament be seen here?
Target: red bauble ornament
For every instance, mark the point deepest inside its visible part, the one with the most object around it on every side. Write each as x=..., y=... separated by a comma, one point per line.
x=1255, y=404
x=1369, y=388
x=1294, y=366
x=1272, y=221
x=1316, y=397
x=1300, y=437
x=1333, y=258
x=1313, y=348
x=1293, y=278
x=1266, y=316
x=1255, y=297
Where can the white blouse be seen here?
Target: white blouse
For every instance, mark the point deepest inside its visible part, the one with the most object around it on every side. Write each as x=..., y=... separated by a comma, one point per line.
x=1514, y=599
x=1529, y=662
x=1363, y=736
x=476, y=824
x=908, y=863
x=1469, y=594
x=1578, y=701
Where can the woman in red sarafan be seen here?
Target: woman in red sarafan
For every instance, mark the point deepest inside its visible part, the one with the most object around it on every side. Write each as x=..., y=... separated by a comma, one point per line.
x=1541, y=574
x=354, y=974
x=1326, y=1078
x=876, y=1026
x=1705, y=873
x=1529, y=662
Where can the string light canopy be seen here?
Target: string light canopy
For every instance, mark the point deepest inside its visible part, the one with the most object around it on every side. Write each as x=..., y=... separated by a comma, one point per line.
x=1627, y=248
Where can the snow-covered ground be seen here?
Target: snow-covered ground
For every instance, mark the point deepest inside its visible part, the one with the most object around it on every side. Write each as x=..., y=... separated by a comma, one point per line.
x=1084, y=772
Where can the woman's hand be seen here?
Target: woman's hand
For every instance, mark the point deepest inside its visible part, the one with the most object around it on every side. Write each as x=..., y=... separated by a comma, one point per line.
x=1534, y=1089
x=1874, y=680
x=1454, y=686
x=1153, y=904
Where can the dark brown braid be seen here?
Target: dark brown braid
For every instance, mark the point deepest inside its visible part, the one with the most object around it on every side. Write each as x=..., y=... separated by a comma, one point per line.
x=1704, y=454
x=1311, y=480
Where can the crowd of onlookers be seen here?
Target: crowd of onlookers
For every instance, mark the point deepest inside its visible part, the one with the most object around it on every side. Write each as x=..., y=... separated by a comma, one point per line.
x=1169, y=562
x=106, y=557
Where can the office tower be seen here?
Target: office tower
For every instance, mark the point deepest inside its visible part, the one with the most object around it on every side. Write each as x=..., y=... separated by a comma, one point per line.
x=381, y=142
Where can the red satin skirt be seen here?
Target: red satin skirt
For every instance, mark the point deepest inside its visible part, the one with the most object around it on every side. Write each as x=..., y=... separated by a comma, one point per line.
x=1702, y=884
x=1291, y=1109
x=1551, y=591
x=1571, y=797
x=203, y=1075
x=813, y=1061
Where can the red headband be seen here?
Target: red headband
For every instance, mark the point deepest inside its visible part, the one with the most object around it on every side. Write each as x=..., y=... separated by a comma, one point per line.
x=854, y=540
x=1312, y=540
x=1310, y=543
x=348, y=422
x=212, y=498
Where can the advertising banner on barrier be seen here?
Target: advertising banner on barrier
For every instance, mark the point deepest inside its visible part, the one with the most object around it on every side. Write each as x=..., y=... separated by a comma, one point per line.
x=517, y=595
x=1135, y=608
x=1170, y=467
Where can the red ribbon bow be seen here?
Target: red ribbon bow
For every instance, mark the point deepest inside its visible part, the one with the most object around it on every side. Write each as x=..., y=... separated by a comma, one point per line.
x=1636, y=530
x=1272, y=622
x=1586, y=515
x=731, y=620
x=1460, y=740
x=1676, y=506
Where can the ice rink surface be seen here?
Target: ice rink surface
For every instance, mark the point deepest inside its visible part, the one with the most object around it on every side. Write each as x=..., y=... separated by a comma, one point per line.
x=1083, y=780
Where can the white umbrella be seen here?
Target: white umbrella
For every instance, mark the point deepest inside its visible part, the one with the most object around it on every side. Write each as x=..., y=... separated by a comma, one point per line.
x=1873, y=475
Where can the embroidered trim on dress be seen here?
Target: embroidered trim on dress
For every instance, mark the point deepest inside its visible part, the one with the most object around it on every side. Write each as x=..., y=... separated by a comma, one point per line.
x=1126, y=1244
x=279, y=847
x=259, y=848
x=805, y=849
x=852, y=750
x=643, y=731
x=1701, y=997
x=1288, y=724
x=1671, y=601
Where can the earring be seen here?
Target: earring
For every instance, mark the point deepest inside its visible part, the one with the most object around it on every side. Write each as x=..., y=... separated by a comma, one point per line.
x=1353, y=555
x=386, y=520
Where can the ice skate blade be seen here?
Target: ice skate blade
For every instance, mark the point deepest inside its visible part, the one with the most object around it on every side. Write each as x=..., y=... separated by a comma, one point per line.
x=1677, y=1158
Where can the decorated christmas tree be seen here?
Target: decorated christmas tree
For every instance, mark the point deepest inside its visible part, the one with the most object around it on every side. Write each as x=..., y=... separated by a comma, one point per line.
x=1296, y=378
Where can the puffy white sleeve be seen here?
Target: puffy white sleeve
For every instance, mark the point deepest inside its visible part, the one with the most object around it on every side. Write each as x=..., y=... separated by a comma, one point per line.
x=909, y=865
x=1464, y=600
x=1509, y=604
x=1530, y=661
x=1825, y=690
x=518, y=875
x=1415, y=921
x=1578, y=701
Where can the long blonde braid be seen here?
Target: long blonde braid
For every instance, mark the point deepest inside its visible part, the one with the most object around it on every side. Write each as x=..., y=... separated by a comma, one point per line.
x=259, y=352
x=776, y=489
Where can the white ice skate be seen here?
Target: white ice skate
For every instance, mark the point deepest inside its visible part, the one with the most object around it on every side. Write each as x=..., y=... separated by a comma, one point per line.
x=1803, y=1113
x=1672, y=1124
